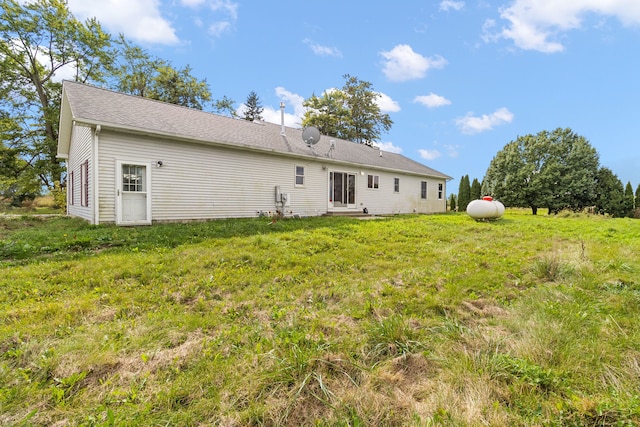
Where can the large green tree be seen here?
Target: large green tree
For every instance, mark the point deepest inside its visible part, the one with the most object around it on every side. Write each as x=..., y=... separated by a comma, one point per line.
x=41, y=42
x=135, y=70
x=179, y=86
x=555, y=169
x=140, y=73
x=350, y=113
x=17, y=180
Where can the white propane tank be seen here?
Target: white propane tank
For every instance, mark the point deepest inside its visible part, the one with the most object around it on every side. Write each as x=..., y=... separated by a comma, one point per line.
x=487, y=208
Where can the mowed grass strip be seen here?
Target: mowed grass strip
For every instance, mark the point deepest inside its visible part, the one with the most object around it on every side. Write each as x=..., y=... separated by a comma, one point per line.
x=408, y=320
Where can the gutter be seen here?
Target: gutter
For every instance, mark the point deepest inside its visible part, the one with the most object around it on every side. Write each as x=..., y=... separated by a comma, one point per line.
x=245, y=147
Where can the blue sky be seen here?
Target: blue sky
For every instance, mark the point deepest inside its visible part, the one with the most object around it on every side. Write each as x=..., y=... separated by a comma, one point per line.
x=460, y=79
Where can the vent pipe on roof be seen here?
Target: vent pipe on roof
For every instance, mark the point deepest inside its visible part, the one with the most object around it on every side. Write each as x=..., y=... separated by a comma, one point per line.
x=282, y=118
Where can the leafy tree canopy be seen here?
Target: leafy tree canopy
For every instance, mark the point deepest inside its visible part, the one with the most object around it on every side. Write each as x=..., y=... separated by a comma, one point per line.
x=551, y=169
x=350, y=113
x=39, y=42
x=139, y=73
x=225, y=106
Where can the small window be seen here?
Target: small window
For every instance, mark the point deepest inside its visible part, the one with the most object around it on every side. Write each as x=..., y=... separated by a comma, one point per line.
x=423, y=190
x=299, y=175
x=71, y=189
x=396, y=185
x=440, y=191
x=84, y=184
x=373, y=181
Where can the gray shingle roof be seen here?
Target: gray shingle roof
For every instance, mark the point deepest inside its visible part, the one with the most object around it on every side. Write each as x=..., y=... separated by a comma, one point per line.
x=93, y=105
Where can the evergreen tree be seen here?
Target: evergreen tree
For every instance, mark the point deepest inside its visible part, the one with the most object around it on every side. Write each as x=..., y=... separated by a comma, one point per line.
x=464, y=193
x=476, y=190
x=609, y=194
x=628, y=200
x=253, y=108
x=452, y=202
x=636, y=212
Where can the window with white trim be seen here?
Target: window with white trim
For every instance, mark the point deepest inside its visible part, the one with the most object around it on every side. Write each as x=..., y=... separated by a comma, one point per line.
x=396, y=185
x=299, y=176
x=84, y=183
x=71, y=189
x=440, y=191
x=373, y=181
x=423, y=190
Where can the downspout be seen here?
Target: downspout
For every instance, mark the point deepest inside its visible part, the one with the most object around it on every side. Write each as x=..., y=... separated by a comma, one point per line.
x=96, y=177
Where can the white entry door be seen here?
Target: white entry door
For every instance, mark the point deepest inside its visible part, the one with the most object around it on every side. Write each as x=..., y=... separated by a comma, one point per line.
x=132, y=194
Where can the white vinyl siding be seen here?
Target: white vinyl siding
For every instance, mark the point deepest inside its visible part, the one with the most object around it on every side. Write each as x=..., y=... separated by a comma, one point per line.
x=407, y=200
x=198, y=181
x=79, y=167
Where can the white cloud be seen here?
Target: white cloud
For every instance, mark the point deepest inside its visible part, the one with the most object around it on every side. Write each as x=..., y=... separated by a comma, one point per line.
x=429, y=154
x=452, y=150
x=142, y=21
x=432, y=100
x=448, y=5
x=191, y=3
x=218, y=28
x=227, y=7
x=388, y=147
x=387, y=104
x=471, y=124
x=537, y=24
x=402, y=63
x=291, y=100
x=322, y=50
x=225, y=11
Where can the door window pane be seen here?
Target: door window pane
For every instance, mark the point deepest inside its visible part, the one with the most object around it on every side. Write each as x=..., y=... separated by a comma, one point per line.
x=132, y=178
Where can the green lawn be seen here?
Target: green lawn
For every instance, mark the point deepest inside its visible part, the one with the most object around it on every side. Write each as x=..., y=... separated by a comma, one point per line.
x=407, y=320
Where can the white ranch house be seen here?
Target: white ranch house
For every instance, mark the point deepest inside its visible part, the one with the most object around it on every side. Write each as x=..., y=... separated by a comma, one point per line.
x=134, y=161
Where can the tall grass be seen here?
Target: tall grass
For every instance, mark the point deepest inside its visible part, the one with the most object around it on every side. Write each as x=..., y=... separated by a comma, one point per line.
x=411, y=320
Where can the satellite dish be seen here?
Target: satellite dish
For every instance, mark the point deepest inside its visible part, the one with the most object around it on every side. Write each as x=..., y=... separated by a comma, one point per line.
x=311, y=135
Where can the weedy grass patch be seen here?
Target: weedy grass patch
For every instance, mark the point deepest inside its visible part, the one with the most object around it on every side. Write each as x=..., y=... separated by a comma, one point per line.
x=407, y=320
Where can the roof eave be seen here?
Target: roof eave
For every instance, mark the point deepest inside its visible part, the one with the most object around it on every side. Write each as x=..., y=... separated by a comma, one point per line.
x=236, y=146
x=65, y=126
